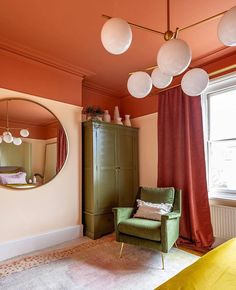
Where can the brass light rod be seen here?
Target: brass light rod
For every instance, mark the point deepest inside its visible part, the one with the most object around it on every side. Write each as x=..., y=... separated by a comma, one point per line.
x=11, y=128
x=168, y=15
x=204, y=20
x=210, y=74
x=168, y=22
x=224, y=69
x=7, y=116
x=138, y=26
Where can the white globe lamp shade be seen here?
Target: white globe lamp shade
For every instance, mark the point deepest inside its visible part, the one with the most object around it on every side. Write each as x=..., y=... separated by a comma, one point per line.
x=159, y=79
x=174, y=57
x=7, y=133
x=227, y=28
x=139, y=84
x=17, y=141
x=116, y=36
x=8, y=138
x=194, y=82
x=24, y=133
x=0, y=139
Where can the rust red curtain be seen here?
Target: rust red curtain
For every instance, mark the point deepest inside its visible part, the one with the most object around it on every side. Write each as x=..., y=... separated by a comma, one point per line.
x=61, y=148
x=181, y=163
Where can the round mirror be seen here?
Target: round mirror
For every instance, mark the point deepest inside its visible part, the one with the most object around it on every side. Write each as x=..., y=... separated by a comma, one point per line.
x=33, y=144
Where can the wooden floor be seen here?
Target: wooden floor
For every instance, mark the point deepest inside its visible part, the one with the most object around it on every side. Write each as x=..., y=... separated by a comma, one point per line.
x=186, y=249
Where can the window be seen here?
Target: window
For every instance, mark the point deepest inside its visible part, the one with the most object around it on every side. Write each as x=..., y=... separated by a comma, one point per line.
x=219, y=115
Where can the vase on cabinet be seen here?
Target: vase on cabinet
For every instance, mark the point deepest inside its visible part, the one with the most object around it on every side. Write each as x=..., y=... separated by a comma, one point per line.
x=116, y=114
x=127, y=121
x=106, y=116
x=118, y=121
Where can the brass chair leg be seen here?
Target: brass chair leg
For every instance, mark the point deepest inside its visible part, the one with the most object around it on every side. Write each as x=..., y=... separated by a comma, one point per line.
x=121, y=249
x=162, y=259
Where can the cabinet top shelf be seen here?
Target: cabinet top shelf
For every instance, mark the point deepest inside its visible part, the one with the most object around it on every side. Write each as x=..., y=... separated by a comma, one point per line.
x=98, y=122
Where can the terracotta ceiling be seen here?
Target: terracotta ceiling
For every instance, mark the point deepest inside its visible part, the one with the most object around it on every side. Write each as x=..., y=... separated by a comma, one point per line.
x=69, y=31
x=30, y=113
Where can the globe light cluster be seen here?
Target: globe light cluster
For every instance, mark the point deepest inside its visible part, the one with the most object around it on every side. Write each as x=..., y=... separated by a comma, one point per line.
x=8, y=138
x=173, y=57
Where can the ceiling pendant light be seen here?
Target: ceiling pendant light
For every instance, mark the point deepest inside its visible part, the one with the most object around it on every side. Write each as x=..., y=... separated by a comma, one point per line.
x=194, y=82
x=139, y=84
x=24, y=133
x=159, y=79
x=17, y=141
x=174, y=57
x=227, y=28
x=7, y=135
x=116, y=36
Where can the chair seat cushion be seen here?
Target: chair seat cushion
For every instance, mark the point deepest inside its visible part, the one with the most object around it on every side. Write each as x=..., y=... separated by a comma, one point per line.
x=141, y=228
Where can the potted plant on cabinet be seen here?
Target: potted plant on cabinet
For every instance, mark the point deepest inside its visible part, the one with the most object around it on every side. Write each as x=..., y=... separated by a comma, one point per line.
x=94, y=113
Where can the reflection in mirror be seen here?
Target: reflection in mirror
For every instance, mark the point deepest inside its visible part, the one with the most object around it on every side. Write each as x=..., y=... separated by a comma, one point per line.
x=33, y=144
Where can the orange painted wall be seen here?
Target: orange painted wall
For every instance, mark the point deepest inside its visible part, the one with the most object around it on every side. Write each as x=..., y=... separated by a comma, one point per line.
x=24, y=75
x=95, y=98
x=139, y=107
x=51, y=130
x=36, y=132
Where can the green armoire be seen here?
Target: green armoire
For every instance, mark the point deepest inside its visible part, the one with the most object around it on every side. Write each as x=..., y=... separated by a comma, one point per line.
x=110, y=173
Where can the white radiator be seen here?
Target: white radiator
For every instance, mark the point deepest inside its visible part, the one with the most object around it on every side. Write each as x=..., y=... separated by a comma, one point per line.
x=223, y=220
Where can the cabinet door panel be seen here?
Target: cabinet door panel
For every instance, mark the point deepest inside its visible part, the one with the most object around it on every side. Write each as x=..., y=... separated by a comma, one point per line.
x=106, y=178
x=126, y=188
x=107, y=197
x=128, y=171
x=125, y=149
x=88, y=188
x=106, y=147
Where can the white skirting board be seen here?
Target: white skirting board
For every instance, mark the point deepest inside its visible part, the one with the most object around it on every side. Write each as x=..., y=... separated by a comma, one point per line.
x=29, y=244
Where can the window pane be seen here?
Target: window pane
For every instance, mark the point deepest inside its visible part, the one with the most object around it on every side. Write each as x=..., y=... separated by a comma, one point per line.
x=222, y=165
x=222, y=115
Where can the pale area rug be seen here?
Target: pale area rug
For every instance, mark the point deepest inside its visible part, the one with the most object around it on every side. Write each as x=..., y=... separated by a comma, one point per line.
x=92, y=265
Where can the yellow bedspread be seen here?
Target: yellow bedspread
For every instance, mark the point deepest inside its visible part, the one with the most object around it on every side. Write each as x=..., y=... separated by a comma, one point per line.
x=214, y=271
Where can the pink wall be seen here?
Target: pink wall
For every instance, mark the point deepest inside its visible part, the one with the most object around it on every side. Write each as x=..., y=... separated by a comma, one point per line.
x=24, y=75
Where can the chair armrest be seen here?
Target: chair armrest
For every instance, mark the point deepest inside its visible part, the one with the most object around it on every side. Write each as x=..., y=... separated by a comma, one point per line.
x=171, y=215
x=169, y=230
x=122, y=213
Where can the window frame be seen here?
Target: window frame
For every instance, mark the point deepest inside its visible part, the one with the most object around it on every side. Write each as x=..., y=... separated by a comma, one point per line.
x=223, y=83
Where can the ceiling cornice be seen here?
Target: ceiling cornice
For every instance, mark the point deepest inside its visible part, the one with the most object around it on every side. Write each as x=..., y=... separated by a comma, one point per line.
x=39, y=57
x=27, y=124
x=102, y=90
x=207, y=58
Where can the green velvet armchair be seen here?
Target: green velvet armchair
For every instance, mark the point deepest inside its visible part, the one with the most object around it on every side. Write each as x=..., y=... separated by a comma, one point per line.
x=157, y=235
